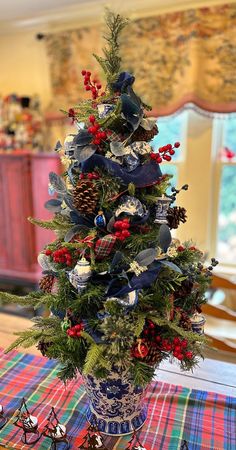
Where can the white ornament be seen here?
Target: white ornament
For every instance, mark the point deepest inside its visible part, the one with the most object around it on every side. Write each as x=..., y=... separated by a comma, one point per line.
x=80, y=275
x=60, y=431
x=30, y=422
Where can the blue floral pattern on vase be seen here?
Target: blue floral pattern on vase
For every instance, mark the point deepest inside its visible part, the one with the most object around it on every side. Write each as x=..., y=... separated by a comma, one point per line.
x=116, y=403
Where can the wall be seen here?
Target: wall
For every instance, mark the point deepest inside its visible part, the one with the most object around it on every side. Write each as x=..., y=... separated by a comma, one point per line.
x=24, y=66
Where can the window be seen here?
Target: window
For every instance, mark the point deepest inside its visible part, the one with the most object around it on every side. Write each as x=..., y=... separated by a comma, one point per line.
x=172, y=129
x=226, y=221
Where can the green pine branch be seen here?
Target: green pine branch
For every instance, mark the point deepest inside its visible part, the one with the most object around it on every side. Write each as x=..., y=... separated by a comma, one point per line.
x=26, y=339
x=26, y=300
x=111, y=62
x=93, y=356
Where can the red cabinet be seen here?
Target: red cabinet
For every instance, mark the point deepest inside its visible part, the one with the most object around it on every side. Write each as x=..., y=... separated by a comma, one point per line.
x=23, y=192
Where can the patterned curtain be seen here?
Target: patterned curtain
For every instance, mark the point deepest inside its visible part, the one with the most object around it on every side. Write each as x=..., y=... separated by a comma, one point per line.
x=182, y=57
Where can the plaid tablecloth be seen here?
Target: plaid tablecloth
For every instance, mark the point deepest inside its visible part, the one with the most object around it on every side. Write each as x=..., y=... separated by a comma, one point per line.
x=205, y=420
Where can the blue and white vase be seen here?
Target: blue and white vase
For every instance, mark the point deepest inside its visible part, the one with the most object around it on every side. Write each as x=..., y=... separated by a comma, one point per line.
x=116, y=405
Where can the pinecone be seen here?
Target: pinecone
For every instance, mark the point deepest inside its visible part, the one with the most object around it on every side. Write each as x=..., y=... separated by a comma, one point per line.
x=144, y=135
x=46, y=283
x=154, y=355
x=43, y=347
x=185, y=321
x=176, y=215
x=184, y=289
x=85, y=197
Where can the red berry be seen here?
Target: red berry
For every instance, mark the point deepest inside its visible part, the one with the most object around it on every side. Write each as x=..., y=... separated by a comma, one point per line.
x=192, y=248
x=92, y=119
x=118, y=234
x=122, y=238
x=82, y=176
x=153, y=155
x=103, y=135
x=83, y=72
x=126, y=220
x=99, y=86
x=88, y=73
x=167, y=157
x=189, y=355
x=78, y=327
x=161, y=149
x=78, y=333
x=177, y=349
x=125, y=225
x=97, y=141
x=118, y=224
x=171, y=152
x=90, y=176
x=175, y=354
x=158, y=338
x=96, y=126
x=85, y=82
x=159, y=160
x=87, y=88
x=169, y=147
x=180, y=356
x=176, y=341
x=184, y=343
x=96, y=176
x=176, y=144
x=125, y=233
x=92, y=130
x=180, y=248
x=151, y=324
x=48, y=252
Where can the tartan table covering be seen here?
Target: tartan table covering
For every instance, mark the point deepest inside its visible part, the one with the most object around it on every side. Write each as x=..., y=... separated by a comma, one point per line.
x=205, y=420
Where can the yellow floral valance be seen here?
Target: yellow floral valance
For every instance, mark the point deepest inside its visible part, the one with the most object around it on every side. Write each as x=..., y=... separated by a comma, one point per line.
x=187, y=56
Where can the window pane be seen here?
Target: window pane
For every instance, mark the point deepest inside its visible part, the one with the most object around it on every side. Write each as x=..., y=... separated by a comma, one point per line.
x=171, y=129
x=227, y=152
x=226, y=242
x=171, y=169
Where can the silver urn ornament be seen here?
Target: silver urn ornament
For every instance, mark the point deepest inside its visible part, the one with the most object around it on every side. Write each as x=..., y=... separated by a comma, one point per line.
x=162, y=207
x=80, y=275
x=198, y=321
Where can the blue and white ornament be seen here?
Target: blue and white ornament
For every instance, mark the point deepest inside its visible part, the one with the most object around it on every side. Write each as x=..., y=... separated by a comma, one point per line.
x=80, y=275
x=69, y=146
x=104, y=109
x=100, y=220
x=131, y=206
x=198, y=321
x=129, y=300
x=162, y=207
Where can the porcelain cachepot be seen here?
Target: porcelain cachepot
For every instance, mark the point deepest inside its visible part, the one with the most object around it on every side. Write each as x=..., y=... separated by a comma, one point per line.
x=116, y=405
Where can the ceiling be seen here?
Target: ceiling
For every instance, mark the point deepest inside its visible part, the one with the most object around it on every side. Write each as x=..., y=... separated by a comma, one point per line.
x=21, y=9
x=16, y=15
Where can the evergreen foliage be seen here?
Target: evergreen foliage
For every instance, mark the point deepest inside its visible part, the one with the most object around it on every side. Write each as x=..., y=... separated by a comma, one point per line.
x=124, y=292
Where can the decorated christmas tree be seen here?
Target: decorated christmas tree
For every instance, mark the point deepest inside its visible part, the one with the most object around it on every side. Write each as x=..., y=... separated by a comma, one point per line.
x=122, y=293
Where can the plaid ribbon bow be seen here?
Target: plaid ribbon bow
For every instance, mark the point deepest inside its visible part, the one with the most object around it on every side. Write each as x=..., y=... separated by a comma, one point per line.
x=104, y=246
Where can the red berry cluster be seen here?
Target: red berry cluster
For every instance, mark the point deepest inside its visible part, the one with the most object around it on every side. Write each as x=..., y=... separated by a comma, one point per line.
x=165, y=153
x=91, y=85
x=89, y=176
x=75, y=332
x=178, y=347
x=123, y=227
x=181, y=248
x=94, y=129
x=72, y=114
x=60, y=256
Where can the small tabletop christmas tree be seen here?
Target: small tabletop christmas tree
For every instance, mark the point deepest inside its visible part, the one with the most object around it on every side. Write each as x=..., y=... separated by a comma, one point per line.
x=121, y=291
